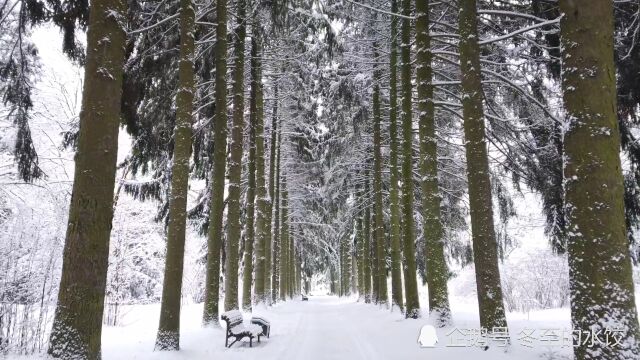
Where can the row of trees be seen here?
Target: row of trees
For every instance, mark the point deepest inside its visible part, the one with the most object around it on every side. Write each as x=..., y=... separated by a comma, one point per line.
x=271, y=274
x=350, y=189
x=592, y=230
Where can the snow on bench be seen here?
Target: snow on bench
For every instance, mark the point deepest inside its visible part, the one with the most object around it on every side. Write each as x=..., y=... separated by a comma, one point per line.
x=238, y=330
x=263, y=323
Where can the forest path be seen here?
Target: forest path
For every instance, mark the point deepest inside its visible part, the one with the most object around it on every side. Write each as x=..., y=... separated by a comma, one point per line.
x=323, y=328
x=326, y=329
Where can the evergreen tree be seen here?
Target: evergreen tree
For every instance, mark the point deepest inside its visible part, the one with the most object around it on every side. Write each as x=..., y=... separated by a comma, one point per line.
x=360, y=239
x=168, y=337
x=394, y=201
x=367, y=259
x=435, y=262
x=284, y=240
x=77, y=325
x=235, y=164
x=277, y=247
x=263, y=225
x=485, y=247
x=270, y=251
x=381, y=274
x=216, y=207
x=291, y=255
x=410, y=281
x=601, y=284
x=249, y=233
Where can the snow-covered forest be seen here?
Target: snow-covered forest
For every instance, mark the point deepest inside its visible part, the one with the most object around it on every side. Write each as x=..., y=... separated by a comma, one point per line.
x=377, y=179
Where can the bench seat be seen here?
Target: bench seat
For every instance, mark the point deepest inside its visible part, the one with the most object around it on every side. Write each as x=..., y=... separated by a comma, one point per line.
x=250, y=329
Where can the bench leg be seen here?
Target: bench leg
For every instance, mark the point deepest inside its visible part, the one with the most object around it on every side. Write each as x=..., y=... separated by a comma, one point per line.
x=251, y=341
x=235, y=341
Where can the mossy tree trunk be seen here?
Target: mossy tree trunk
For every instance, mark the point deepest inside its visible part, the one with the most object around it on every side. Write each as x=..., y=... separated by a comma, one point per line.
x=375, y=295
x=367, y=259
x=340, y=280
x=270, y=252
x=394, y=201
x=263, y=224
x=216, y=205
x=436, y=265
x=345, y=266
x=284, y=241
x=485, y=247
x=250, y=228
x=601, y=283
x=168, y=337
x=360, y=247
x=381, y=267
x=77, y=325
x=235, y=165
x=299, y=273
x=408, y=224
x=354, y=267
x=275, y=267
x=291, y=256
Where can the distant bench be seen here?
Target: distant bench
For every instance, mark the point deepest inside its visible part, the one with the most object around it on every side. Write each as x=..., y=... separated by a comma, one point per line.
x=237, y=329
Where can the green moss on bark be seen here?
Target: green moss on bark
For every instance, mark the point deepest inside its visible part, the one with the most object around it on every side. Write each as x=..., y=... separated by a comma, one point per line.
x=485, y=246
x=601, y=283
x=168, y=337
x=216, y=195
x=437, y=272
x=77, y=325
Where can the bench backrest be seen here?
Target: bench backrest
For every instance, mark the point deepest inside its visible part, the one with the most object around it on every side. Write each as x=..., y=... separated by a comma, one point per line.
x=233, y=318
x=259, y=320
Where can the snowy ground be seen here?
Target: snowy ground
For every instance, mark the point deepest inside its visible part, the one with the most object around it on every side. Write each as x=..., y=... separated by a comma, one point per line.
x=327, y=328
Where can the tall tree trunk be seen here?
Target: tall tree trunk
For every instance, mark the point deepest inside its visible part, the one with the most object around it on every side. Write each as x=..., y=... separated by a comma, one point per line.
x=263, y=224
x=436, y=265
x=235, y=166
x=270, y=251
x=381, y=275
x=216, y=195
x=485, y=247
x=408, y=224
x=354, y=267
x=360, y=246
x=275, y=273
x=284, y=239
x=601, y=283
x=366, y=254
x=168, y=337
x=332, y=279
x=250, y=229
x=299, y=274
x=346, y=266
x=77, y=325
x=340, y=267
x=291, y=257
x=375, y=284
x=396, y=250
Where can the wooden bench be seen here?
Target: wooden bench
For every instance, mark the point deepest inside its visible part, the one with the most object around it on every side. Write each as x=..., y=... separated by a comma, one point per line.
x=237, y=329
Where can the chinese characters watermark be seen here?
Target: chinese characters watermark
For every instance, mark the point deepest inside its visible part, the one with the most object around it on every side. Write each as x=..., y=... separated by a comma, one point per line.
x=527, y=337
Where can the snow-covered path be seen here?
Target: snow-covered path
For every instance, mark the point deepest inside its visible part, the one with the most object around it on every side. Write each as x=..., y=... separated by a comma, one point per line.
x=324, y=327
